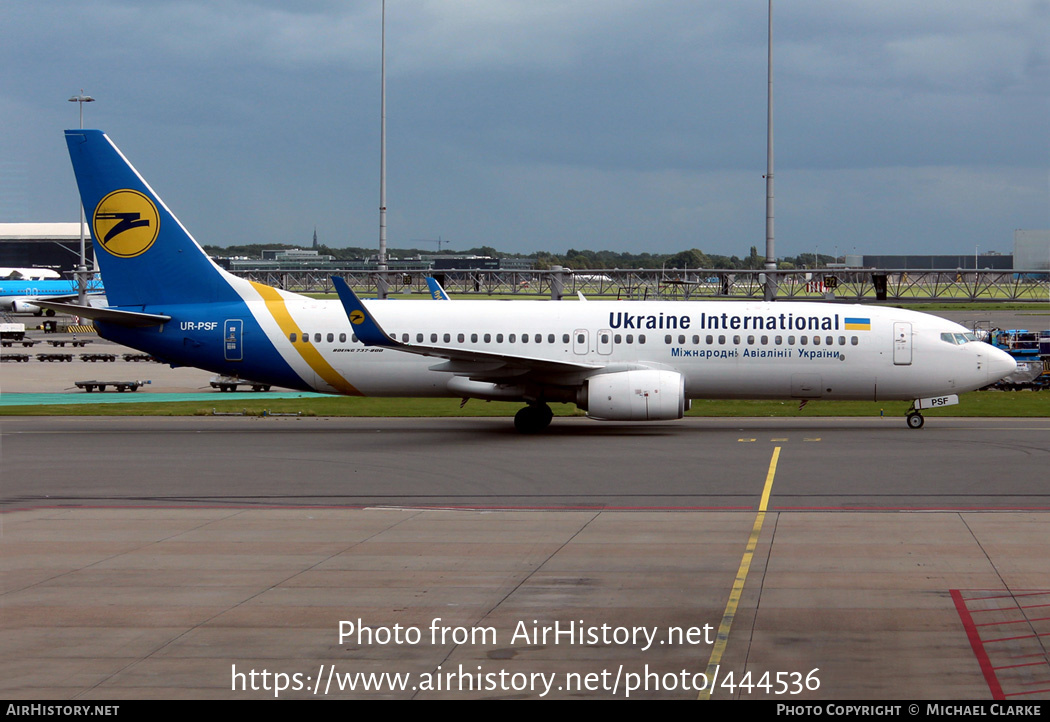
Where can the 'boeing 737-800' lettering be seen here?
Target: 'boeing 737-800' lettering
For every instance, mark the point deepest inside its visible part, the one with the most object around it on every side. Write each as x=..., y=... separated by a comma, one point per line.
x=617, y=360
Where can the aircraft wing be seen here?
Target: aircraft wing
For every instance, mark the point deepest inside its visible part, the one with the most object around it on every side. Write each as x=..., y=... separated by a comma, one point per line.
x=466, y=362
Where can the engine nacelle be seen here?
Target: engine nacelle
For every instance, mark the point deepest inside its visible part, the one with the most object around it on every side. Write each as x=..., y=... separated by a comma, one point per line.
x=25, y=307
x=642, y=395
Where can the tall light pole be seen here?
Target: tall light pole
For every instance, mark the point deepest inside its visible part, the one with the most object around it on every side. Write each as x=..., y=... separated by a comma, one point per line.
x=82, y=271
x=770, y=291
x=381, y=285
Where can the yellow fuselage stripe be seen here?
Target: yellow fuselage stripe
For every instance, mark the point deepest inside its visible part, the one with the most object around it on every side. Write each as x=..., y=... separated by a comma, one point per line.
x=277, y=307
x=722, y=638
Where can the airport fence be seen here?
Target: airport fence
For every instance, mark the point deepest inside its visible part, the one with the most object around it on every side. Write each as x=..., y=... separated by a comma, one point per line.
x=858, y=285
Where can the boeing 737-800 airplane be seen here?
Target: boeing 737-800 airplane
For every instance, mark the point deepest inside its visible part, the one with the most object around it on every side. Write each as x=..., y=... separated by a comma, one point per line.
x=618, y=360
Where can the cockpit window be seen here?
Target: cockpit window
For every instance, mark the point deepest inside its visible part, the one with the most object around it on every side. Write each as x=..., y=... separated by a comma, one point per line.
x=958, y=338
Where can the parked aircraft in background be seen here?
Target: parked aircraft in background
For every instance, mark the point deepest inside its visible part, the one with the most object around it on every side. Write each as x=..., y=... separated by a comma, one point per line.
x=28, y=274
x=618, y=360
x=20, y=296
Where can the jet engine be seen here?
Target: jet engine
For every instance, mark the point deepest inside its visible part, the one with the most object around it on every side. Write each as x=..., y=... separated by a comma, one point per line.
x=641, y=395
x=25, y=307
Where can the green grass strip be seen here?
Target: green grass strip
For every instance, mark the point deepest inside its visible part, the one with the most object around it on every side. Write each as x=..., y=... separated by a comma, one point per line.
x=980, y=403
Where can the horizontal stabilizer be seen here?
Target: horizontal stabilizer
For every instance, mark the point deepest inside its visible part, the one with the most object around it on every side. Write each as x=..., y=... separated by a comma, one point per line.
x=132, y=319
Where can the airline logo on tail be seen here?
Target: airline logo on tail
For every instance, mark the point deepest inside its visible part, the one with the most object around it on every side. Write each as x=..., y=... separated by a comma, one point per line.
x=126, y=223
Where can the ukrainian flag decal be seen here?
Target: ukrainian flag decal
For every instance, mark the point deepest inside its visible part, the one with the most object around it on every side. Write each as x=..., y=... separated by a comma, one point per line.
x=858, y=324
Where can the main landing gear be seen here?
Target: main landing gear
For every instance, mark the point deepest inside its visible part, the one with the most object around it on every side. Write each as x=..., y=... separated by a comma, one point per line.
x=533, y=419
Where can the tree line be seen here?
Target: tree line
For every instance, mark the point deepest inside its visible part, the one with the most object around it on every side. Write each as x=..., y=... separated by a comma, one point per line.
x=573, y=258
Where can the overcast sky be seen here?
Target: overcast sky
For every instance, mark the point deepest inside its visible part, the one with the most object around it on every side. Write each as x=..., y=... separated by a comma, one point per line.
x=631, y=125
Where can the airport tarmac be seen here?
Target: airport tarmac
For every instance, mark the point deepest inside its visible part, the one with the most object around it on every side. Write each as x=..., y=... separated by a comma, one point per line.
x=164, y=558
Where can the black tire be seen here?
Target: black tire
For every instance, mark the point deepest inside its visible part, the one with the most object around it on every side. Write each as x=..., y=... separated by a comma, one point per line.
x=915, y=421
x=533, y=419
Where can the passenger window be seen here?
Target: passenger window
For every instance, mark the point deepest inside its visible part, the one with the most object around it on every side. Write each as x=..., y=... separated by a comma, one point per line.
x=617, y=338
x=696, y=339
x=854, y=340
x=342, y=338
x=641, y=338
x=404, y=338
x=605, y=338
x=473, y=338
x=842, y=340
x=550, y=338
x=829, y=341
x=721, y=340
x=419, y=338
x=667, y=338
x=710, y=339
x=736, y=339
x=816, y=340
x=524, y=338
x=778, y=340
x=565, y=338
x=681, y=339
x=579, y=338
x=331, y=337
x=460, y=338
x=499, y=338
x=292, y=337
x=765, y=340
x=511, y=337
x=488, y=338
x=802, y=340
x=433, y=338
x=317, y=338
x=630, y=338
x=447, y=338
x=750, y=340
x=539, y=338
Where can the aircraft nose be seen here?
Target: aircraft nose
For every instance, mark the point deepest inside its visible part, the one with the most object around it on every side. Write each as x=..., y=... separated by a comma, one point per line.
x=1000, y=364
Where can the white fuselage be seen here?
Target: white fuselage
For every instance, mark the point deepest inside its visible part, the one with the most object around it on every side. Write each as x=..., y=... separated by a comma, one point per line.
x=722, y=349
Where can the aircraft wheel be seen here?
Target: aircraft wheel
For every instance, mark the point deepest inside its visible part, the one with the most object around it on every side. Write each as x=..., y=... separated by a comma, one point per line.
x=915, y=421
x=533, y=419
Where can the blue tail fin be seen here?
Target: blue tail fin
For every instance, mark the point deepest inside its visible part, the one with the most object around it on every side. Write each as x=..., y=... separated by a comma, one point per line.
x=146, y=256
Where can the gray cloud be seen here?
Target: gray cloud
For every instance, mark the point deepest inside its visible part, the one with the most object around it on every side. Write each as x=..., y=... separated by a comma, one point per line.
x=542, y=124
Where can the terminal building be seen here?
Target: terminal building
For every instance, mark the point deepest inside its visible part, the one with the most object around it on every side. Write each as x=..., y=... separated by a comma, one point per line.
x=43, y=245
